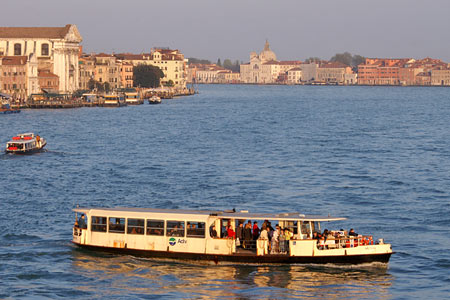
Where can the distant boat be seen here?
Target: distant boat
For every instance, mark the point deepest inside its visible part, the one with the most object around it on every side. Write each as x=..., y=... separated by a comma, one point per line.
x=114, y=101
x=5, y=107
x=25, y=143
x=132, y=98
x=154, y=100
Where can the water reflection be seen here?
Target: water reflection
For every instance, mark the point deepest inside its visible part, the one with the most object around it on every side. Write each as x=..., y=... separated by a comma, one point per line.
x=102, y=275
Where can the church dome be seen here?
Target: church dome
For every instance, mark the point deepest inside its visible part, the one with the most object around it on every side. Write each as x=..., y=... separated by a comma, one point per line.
x=267, y=54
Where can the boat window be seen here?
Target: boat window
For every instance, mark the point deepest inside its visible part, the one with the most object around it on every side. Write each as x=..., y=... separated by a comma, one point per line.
x=98, y=224
x=195, y=229
x=175, y=228
x=117, y=225
x=155, y=227
x=135, y=226
x=315, y=226
x=292, y=225
x=306, y=228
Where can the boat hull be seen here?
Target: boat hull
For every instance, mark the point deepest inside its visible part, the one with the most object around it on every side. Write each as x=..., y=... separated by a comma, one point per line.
x=247, y=258
x=9, y=111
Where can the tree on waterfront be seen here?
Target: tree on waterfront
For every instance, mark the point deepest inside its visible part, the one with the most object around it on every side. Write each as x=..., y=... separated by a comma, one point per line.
x=147, y=76
x=227, y=64
x=218, y=62
x=193, y=60
x=348, y=59
x=313, y=59
x=98, y=86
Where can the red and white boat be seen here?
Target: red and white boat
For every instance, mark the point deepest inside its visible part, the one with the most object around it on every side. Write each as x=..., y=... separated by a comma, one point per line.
x=25, y=143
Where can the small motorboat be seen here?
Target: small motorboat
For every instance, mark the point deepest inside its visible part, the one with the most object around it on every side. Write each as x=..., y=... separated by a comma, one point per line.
x=25, y=143
x=154, y=100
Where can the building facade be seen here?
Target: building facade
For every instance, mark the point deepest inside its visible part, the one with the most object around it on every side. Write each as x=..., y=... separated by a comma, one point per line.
x=56, y=49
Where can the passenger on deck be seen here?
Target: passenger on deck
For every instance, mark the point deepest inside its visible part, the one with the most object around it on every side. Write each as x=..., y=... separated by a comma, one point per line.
x=213, y=232
x=263, y=235
x=248, y=235
x=288, y=236
x=282, y=241
x=255, y=231
x=240, y=234
x=230, y=232
x=352, y=232
x=275, y=241
x=82, y=222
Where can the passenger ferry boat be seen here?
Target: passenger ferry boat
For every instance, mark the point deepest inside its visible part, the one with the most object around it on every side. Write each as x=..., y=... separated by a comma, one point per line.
x=25, y=143
x=200, y=235
x=132, y=98
x=114, y=101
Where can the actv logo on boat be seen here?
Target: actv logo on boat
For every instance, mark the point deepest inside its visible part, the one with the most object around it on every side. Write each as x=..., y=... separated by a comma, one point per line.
x=173, y=241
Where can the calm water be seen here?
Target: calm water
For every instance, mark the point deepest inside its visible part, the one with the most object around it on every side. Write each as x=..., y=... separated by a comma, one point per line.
x=379, y=156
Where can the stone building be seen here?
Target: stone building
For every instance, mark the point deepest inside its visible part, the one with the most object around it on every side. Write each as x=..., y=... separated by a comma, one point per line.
x=56, y=49
x=440, y=76
x=19, y=76
x=48, y=81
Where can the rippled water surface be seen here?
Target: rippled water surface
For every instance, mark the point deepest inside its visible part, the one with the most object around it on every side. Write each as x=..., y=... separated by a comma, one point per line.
x=377, y=155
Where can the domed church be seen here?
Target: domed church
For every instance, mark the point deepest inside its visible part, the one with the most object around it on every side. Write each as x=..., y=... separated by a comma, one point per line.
x=265, y=68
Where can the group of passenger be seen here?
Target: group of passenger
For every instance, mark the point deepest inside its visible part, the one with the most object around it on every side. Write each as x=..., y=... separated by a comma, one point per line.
x=247, y=235
x=341, y=238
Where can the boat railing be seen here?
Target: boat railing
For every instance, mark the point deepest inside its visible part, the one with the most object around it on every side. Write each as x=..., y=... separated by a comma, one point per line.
x=344, y=242
x=77, y=231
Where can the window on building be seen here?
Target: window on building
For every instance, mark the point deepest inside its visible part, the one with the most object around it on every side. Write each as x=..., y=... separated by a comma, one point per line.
x=135, y=226
x=17, y=49
x=117, y=225
x=195, y=229
x=175, y=228
x=98, y=224
x=44, y=49
x=155, y=227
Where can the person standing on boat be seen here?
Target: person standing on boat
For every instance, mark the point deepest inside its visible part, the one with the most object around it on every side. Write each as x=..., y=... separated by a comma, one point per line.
x=263, y=239
x=275, y=240
x=255, y=231
x=82, y=222
x=247, y=235
x=231, y=233
x=240, y=234
x=213, y=232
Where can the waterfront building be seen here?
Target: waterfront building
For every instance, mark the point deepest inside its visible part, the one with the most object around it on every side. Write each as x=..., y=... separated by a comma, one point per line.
x=210, y=73
x=87, y=71
x=19, y=76
x=56, y=49
x=381, y=71
x=294, y=75
x=126, y=73
x=440, y=76
x=107, y=71
x=332, y=72
x=48, y=81
x=309, y=71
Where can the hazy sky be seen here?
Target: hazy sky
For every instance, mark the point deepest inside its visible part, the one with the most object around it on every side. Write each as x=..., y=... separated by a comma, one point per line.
x=209, y=29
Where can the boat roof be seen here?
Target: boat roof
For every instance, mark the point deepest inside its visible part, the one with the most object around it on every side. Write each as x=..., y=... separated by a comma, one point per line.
x=226, y=214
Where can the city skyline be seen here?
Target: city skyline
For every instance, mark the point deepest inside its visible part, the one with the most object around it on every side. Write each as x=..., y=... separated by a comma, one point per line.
x=295, y=30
